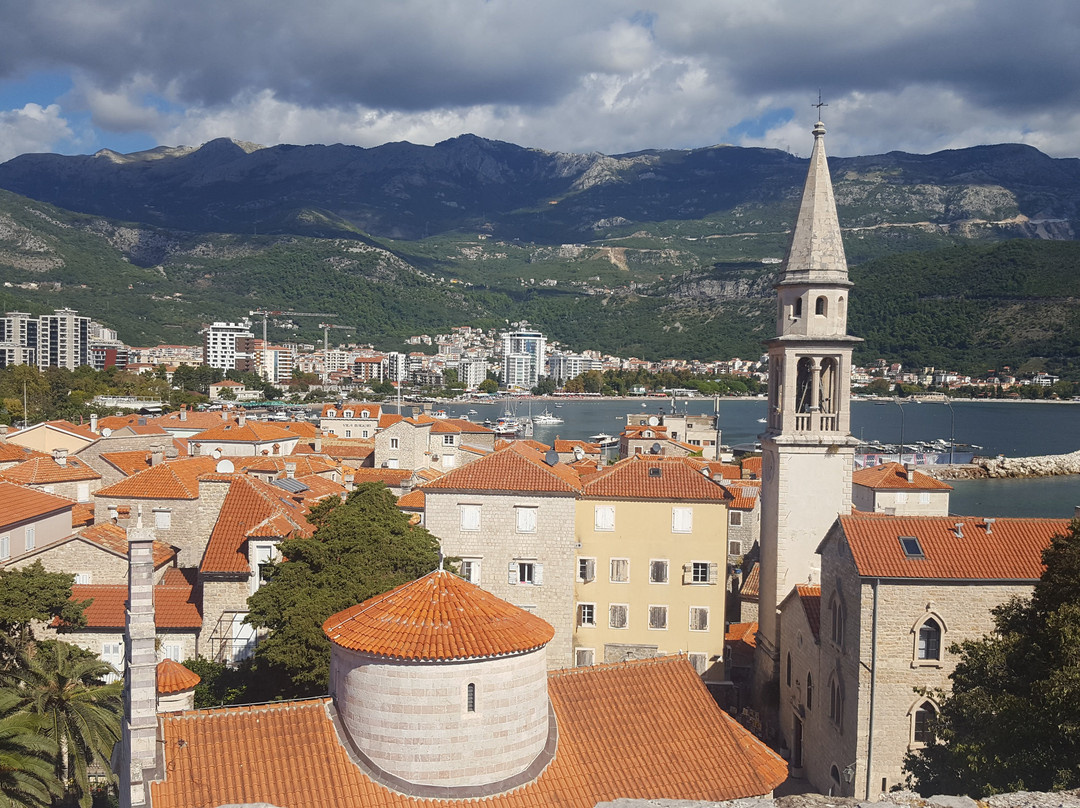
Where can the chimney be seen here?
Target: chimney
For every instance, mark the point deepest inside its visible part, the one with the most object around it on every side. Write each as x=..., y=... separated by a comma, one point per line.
x=318, y=445
x=60, y=456
x=157, y=454
x=171, y=452
x=183, y=413
x=988, y=523
x=910, y=467
x=290, y=469
x=114, y=513
x=959, y=530
x=3, y=433
x=242, y=419
x=93, y=422
x=138, y=744
x=407, y=485
x=224, y=414
x=349, y=484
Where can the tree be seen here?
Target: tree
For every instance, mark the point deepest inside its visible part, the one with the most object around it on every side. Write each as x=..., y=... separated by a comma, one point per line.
x=360, y=548
x=31, y=594
x=489, y=386
x=64, y=688
x=26, y=758
x=1012, y=721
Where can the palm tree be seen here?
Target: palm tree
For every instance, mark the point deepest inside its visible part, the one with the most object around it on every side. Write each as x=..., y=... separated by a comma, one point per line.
x=62, y=686
x=27, y=776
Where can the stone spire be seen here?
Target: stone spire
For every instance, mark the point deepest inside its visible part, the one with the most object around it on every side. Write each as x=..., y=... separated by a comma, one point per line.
x=817, y=249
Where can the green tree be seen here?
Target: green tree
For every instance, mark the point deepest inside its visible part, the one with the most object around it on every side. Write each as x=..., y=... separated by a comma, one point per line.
x=27, y=777
x=489, y=386
x=29, y=595
x=1012, y=720
x=64, y=687
x=361, y=548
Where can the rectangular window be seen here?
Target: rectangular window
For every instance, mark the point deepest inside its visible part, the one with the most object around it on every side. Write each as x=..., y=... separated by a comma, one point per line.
x=735, y=518
x=618, y=615
x=83, y=578
x=586, y=569
x=5, y=546
x=604, y=518
x=734, y=548
x=699, y=661
x=924, y=498
x=699, y=618
x=174, y=651
x=525, y=572
x=448, y=440
x=620, y=570
x=82, y=492
x=31, y=538
x=470, y=517
x=901, y=497
x=470, y=570
x=395, y=443
x=262, y=555
x=698, y=572
x=658, y=571
x=682, y=520
x=363, y=433
x=583, y=657
x=586, y=614
x=658, y=617
x=348, y=433
x=162, y=519
x=526, y=519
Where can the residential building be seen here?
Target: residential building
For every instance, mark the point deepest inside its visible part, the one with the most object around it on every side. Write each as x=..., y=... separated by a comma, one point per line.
x=243, y=439
x=899, y=490
x=351, y=419
x=564, y=366
x=229, y=346
x=59, y=474
x=523, y=359
x=426, y=442
x=63, y=340
x=18, y=339
x=30, y=519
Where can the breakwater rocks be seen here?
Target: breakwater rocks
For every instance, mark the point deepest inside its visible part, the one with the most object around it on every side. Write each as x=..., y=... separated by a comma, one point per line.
x=896, y=799
x=999, y=467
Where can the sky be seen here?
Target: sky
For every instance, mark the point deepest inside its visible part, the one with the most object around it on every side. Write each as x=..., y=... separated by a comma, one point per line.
x=611, y=76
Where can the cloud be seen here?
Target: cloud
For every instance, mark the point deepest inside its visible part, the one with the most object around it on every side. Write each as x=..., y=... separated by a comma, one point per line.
x=606, y=75
x=33, y=128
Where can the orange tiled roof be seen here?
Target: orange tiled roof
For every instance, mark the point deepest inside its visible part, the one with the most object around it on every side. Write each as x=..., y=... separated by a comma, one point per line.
x=143, y=429
x=389, y=419
x=636, y=478
x=810, y=597
x=128, y=463
x=194, y=420
x=172, y=677
x=250, y=432
x=752, y=465
x=45, y=470
x=275, y=464
x=742, y=632
x=437, y=617
x=564, y=446
x=515, y=468
x=374, y=410
x=1006, y=550
x=893, y=476
x=174, y=604
x=751, y=584
x=175, y=479
x=82, y=514
x=638, y=730
x=414, y=500
x=113, y=537
x=302, y=428
x=18, y=502
x=391, y=477
x=719, y=471
x=743, y=497
x=13, y=453
x=251, y=507
x=115, y=422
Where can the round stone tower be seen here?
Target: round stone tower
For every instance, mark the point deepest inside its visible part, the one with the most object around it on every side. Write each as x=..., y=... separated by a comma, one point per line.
x=442, y=686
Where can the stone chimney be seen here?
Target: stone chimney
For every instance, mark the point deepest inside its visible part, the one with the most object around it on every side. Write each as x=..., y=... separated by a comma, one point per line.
x=349, y=478
x=138, y=744
x=290, y=469
x=3, y=433
x=157, y=454
x=910, y=468
x=407, y=485
x=318, y=444
x=224, y=414
x=93, y=422
x=183, y=413
x=242, y=419
x=60, y=456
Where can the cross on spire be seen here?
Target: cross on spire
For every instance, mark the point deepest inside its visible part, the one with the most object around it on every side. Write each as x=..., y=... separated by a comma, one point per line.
x=819, y=104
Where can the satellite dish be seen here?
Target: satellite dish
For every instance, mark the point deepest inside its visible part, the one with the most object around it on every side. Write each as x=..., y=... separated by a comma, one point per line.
x=655, y=449
x=579, y=453
x=224, y=466
x=106, y=432
x=654, y=421
x=216, y=454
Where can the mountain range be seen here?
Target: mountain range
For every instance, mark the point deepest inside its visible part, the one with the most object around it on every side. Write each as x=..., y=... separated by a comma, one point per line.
x=655, y=253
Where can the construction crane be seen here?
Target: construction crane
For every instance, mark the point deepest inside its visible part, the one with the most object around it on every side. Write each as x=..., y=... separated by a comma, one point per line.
x=265, y=313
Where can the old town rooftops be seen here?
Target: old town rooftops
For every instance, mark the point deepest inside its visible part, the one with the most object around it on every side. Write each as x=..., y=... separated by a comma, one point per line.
x=894, y=476
x=653, y=477
x=515, y=468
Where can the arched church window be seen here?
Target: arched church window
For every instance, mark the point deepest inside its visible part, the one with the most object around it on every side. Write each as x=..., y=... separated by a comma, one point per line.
x=922, y=718
x=809, y=691
x=929, y=640
x=797, y=308
x=829, y=385
x=804, y=385
x=470, y=698
x=821, y=306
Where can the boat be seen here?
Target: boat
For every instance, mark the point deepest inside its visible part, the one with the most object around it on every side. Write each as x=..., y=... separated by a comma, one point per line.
x=603, y=440
x=546, y=419
x=440, y=414
x=506, y=427
x=763, y=420
x=473, y=412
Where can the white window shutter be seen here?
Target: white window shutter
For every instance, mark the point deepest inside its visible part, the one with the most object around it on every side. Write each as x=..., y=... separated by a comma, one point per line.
x=512, y=573
x=714, y=572
x=590, y=569
x=687, y=573
x=538, y=574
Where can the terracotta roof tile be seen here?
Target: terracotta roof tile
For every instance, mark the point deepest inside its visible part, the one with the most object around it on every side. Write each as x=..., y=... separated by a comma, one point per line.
x=374, y=410
x=743, y=497
x=113, y=537
x=250, y=432
x=437, y=617
x=275, y=464
x=174, y=603
x=653, y=477
x=893, y=476
x=175, y=479
x=128, y=463
x=18, y=502
x=13, y=453
x=515, y=468
x=740, y=640
x=194, y=420
x=45, y=470
x=414, y=500
x=639, y=730
x=810, y=597
x=143, y=429
x=719, y=471
x=391, y=477
x=752, y=465
x=172, y=677
x=82, y=514
x=1004, y=550
x=564, y=446
x=742, y=632
x=302, y=428
x=751, y=583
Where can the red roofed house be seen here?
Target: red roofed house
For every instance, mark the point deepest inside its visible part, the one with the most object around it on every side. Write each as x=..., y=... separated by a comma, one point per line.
x=896, y=592
x=45, y=437
x=439, y=695
x=59, y=474
x=426, y=442
x=510, y=517
x=30, y=519
x=901, y=490
x=352, y=419
x=243, y=439
x=696, y=433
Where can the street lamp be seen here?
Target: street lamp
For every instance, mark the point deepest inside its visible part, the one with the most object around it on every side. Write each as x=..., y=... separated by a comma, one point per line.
x=952, y=432
x=901, y=406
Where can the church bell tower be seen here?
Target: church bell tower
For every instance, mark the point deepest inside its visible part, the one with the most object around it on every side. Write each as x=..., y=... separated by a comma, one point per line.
x=808, y=452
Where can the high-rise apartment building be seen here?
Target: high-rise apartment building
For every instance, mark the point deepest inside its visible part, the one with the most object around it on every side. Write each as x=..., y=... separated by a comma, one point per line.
x=63, y=340
x=18, y=339
x=523, y=358
x=229, y=346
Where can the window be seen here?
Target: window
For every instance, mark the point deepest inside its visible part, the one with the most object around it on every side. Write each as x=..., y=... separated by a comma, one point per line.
x=395, y=443
x=470, y=698
x=836, y=703
x=470, y=517
x=798, y=307
x=929, y=641
x=836, y=610
x=924, y=497
x=174, y=651
x=682, y=520
x=5, y=546
x=620, y=570
x=809, y=691
x=586, y=613
x=604, y=518
x=31, y=537
x=82, y=492
x=901, y=497
x=701, y=572
x=821, y=306
x=470, y=570
x=699, y=618
x=735, y=518
x=618, y=615
x=911, y=547
x=447, y=440
x=83, y=578
x=348, y=433
x=586, y=569
x=162, y=519
x=699, y=661
x=583, y=657
x=658, y=571
x=526, y=572
x=347, y=414
x=365, y=414
x=788, y=677
x=526, y=519
x=363, y=433
x=658, y=617
x=113, y=654
x=923, y=717
x=261, y=555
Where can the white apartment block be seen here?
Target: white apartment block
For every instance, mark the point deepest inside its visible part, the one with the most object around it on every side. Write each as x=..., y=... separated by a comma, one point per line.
x=229, y=346
x=523, y=358
x=563, y=366
x=63, y=340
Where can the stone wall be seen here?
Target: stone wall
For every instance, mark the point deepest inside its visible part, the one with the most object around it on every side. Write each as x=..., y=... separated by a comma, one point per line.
x=998, y=467
x=899, y=799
